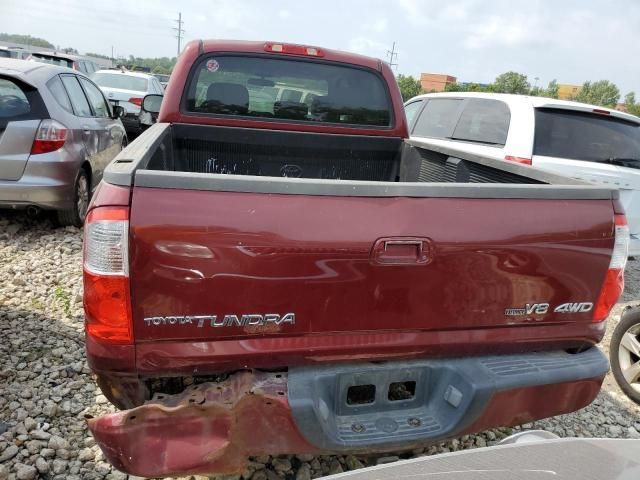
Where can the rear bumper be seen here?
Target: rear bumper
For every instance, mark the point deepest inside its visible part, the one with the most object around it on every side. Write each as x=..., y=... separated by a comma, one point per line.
x=213, y=427
x=47, y=182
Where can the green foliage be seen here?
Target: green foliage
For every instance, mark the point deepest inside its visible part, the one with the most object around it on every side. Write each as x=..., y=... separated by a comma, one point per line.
x=552, y=89
x=511, y=82
x=157, y=65
x=63, y=297
x=98, y=55
x=602, y=92
x=630, y=102
x=630, y=98
x=409, y=86
x=26, y=39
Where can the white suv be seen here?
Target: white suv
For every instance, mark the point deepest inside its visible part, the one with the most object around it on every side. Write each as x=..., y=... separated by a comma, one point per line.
x=589, y=143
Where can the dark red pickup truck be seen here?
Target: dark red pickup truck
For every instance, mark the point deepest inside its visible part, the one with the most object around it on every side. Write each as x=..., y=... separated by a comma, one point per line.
x=276, y=268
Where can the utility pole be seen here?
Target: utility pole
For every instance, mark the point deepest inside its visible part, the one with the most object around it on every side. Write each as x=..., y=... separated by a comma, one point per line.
x=179, y=31
x=112, y=55
x=392, y=55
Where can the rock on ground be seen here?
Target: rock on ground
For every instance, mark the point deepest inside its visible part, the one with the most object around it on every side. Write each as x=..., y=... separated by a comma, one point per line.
x=46, y=386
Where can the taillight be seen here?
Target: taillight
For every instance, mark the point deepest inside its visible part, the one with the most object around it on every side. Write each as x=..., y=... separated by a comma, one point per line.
x=75, y=66
x=107, y=302
x=293, y=49
x=136, y=101
x=614, y=280
x=522, y=160
x=50, y=137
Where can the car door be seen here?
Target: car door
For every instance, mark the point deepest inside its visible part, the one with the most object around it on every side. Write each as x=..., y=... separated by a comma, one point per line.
x=108, y=131
x=86, y=127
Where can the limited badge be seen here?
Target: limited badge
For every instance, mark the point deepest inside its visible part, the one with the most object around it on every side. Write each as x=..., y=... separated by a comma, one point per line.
x=213, y=65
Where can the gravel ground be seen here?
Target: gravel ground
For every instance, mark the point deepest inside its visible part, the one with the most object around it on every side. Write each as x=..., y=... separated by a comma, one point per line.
x=46, y=386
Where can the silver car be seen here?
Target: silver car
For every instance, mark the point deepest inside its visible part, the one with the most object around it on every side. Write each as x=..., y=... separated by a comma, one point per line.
x=57, y=134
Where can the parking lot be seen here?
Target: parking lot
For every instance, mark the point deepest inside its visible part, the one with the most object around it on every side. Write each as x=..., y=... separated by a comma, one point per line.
x=48, y=388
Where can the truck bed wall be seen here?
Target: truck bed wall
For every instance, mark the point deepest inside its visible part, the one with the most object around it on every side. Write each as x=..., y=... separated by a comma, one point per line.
x=241, y=151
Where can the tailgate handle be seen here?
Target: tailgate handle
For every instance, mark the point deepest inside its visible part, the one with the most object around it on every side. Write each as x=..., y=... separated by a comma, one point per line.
x=401, y=251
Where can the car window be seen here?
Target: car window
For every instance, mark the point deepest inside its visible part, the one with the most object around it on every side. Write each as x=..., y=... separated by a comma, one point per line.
x=96, y=99
x=59, y=93
x=13, y=100
x=249, y=86
x=5, y=54
x=483, y=121
x=438, y=118
x=77, y=97
x=585, y=136
x=411, y=109
x=122, y=81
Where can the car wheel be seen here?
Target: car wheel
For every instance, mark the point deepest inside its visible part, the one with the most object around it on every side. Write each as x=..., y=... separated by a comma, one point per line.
x=76, y=214
x=624, y=352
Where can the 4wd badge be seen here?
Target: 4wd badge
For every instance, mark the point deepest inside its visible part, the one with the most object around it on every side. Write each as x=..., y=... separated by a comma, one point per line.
x=543, y=308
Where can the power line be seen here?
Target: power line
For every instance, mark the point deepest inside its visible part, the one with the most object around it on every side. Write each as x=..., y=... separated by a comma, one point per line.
x=392, y=55
x=179, y=31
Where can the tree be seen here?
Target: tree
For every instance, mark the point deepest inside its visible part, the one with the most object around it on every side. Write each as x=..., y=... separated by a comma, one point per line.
x=25, y=40
x=630, y=99
x=602, y=92
x=511, y=82
x=630, y=103
x=98, y=55
x=409, y=86
x=537, y=92
x=552, y=89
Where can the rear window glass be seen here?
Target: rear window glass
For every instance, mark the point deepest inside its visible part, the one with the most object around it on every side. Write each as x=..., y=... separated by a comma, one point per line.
x=61, y=62
x=585, y=136
x=13, y=101
x=59, y=93
x=288, y=89
x=5, y=54
x=124, y=82
x=483, y=121
x=411, y=110
x=438, y=118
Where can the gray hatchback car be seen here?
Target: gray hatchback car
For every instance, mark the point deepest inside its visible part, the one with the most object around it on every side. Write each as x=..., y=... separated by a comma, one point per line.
x=57, y=134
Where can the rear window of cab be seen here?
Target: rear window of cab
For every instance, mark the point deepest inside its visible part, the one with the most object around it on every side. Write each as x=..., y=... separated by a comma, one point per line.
x=296, y=90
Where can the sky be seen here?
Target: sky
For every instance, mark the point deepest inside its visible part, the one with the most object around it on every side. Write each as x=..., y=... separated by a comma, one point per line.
x=474, y=40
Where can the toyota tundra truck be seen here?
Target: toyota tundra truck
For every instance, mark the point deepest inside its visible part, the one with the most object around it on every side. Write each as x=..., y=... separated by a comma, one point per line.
x=277, y=268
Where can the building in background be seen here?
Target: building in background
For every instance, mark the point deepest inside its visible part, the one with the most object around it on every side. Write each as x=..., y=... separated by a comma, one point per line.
x=435, y=82
x=566, y=91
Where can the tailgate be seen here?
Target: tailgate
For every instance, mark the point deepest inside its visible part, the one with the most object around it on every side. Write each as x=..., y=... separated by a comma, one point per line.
x=208, y=265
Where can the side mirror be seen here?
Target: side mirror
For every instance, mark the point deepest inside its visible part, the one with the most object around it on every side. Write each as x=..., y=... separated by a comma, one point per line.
x=151, y=103
x=118, y=111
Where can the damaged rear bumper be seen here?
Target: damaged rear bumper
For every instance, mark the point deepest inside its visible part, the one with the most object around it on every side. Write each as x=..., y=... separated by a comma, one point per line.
x=212, y=428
